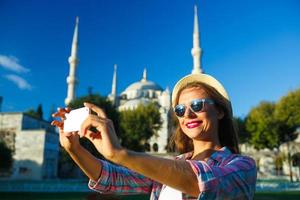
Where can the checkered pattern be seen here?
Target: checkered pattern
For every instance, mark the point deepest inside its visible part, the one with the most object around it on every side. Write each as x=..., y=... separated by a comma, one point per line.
x=223, y=176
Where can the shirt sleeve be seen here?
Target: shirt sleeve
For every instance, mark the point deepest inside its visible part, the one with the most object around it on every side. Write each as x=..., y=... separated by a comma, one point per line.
x=235, y=179
x=118, y=179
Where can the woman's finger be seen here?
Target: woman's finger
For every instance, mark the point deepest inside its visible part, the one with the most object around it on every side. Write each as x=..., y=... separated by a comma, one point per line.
x=92, y=121
x=91, y=135
x=67, y=134
x=57, y=123
x=61, y=112
x=96, y=109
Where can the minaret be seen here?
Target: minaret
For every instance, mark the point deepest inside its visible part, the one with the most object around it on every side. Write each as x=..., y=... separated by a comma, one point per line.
x=73, y=61
x=144, y=79
x=113, y=95
x=196, y=50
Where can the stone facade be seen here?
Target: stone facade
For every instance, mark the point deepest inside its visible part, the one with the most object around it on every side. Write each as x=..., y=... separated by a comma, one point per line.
x=275, y=163
x=35, y=145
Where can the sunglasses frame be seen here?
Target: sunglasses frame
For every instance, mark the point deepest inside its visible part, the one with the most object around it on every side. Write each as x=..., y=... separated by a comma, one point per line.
x=202, y=101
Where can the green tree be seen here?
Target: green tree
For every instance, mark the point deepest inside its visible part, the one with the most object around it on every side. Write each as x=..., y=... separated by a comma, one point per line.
x=287, y=113
x=6, y=158
x=38, y=113
x=244, y=135
x=139, y=125
x=262, y=126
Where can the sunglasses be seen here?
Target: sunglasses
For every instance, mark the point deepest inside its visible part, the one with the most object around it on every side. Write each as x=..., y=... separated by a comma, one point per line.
x=196, y=105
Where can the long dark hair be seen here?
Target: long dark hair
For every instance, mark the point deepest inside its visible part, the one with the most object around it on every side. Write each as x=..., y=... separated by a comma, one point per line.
x=227, y=130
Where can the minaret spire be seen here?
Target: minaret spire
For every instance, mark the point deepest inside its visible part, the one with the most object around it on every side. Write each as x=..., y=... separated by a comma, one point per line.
x=114, y=82
x=144, y=75
x=196, y=50
x=73, y=61
x=113, y=95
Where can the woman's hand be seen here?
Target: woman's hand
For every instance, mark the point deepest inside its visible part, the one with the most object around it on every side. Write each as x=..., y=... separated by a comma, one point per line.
x=100, y=131
x=68, y=140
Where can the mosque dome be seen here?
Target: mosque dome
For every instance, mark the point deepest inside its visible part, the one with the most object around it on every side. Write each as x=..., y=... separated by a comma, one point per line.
x=142, y=89
x=143, y=85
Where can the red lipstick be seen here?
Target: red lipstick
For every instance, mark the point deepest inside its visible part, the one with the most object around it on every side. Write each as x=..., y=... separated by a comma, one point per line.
x=193, y=124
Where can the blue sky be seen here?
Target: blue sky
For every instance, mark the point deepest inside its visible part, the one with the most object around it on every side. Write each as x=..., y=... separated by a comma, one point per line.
x=251, y=46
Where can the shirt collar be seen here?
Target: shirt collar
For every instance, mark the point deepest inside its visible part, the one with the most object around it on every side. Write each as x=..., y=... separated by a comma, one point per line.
x=217, y=156
x=220, y=155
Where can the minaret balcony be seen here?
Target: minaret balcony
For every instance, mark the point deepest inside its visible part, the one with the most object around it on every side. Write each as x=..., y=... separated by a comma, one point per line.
x=73, y=59
x=71, y=80
x=195, y=51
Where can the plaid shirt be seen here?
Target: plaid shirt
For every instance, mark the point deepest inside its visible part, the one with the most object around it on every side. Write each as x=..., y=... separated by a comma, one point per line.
x=223, y=176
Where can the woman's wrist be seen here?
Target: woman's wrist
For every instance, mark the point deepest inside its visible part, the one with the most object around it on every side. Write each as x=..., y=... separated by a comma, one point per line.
x=119, y=156
x=74, y=149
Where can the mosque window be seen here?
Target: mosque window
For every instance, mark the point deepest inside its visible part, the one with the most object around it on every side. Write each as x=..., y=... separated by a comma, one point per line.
x=124, y=96
x=155, y=147
x=23, y=170
x=147, y=146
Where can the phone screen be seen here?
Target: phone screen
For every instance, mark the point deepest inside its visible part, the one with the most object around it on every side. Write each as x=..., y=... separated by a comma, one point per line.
x=75, y=118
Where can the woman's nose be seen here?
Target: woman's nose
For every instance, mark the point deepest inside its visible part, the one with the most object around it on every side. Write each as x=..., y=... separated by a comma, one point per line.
x=190, y=113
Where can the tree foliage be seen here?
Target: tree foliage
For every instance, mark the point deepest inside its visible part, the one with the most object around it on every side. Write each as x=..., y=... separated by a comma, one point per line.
x=287, y=114
x=99, y=101
x=271, y=124
x=38, y=113
x=243, y=134
x=139, y=125
x=262, y=125
x=6, y=158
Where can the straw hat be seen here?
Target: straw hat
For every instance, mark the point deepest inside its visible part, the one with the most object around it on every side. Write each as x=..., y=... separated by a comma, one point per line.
x=202, y=78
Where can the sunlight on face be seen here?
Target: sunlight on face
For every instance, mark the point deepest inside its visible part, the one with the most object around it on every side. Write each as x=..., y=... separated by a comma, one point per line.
x=201, y=125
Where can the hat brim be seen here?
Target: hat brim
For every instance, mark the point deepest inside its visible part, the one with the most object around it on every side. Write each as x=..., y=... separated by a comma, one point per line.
x=202, y=78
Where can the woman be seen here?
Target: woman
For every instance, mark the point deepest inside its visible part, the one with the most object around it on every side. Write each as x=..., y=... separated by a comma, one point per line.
x=209, y=168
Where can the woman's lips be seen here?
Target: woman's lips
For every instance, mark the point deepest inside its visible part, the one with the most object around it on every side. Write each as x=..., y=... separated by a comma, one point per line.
x=193, y=124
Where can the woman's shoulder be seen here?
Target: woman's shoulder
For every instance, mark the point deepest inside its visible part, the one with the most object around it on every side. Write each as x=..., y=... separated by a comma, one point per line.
x=241, y=159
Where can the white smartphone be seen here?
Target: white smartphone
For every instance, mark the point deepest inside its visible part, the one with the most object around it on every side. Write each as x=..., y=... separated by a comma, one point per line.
x=75, y=118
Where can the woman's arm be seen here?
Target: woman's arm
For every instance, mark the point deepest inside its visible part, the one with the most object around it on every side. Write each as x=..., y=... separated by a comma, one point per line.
x=70, y=142
x=174, y=173
x=178, y=174
x=104, y=177
x=89, y=164
x=233, y=177
x=118, y=179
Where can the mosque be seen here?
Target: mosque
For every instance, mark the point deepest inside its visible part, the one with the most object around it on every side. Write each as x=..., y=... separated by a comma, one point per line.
x=36, y=143
x=143, y=91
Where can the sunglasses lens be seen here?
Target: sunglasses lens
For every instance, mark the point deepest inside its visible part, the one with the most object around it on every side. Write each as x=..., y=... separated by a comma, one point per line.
x=179, y=110
x=197, y=106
